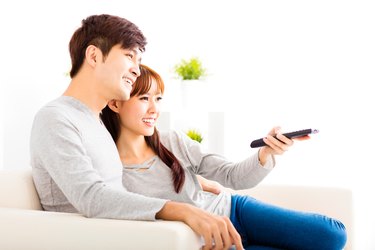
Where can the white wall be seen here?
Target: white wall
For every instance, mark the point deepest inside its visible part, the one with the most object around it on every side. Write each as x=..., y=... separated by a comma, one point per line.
x=1, y=126
x=297, y=64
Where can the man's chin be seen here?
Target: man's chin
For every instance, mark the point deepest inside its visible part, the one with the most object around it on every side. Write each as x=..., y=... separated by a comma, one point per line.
x=126, y=93
x=124, y=97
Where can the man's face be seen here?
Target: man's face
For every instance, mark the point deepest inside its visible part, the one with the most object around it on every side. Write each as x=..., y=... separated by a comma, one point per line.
x=118, y=72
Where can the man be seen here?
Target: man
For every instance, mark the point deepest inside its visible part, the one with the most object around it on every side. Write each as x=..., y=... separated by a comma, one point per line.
x=76, y=166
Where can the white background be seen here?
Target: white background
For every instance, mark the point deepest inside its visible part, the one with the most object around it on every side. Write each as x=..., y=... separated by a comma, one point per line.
x=297, y=64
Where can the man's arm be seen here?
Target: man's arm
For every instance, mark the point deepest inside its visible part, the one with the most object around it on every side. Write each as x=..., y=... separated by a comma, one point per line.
x=214, y=229
x=59, y=147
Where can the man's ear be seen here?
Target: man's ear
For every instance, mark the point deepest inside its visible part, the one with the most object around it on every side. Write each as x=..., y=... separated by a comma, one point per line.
x=114, y=105
x=92, y=55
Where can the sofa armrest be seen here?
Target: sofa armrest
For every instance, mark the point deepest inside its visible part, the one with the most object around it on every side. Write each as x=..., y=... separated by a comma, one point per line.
x=32, y=229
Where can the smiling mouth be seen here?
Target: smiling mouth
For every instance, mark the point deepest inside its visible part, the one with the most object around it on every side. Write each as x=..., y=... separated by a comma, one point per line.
x=149, y=121
x=128, y=81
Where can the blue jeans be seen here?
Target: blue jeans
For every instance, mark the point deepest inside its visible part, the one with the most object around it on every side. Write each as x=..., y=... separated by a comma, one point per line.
x=264, y=226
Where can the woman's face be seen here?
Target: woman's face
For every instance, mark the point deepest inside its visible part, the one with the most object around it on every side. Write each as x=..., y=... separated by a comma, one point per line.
x=139, y=114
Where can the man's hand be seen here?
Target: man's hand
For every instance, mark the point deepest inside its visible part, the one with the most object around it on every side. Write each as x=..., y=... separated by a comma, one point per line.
x=214, y=229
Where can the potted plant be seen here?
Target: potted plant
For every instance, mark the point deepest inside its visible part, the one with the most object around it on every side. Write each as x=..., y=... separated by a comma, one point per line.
x=191, y=69
x=191, y=85
x=194, y=135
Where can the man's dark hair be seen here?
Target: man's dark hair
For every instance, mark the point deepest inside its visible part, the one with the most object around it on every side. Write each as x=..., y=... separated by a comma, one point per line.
x=103, y=31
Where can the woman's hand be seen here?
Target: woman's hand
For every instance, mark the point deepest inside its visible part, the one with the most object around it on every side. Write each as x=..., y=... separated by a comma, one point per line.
x=276, y=146
x=210, y=186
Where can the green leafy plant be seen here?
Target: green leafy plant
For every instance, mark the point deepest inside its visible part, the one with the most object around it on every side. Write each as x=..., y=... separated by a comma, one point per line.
x=190, y=69
x=194, y=135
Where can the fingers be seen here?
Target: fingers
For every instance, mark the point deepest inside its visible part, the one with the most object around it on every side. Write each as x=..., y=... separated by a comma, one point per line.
x=277, y=142
x=227, y=230
x=214, y=229
x=302, y=138
x=207, y=239
x=279, y=145
x=218, y=239
x=234, y=235
x=215, y=187
x=216, y=235
x=221, y=234
x=212, y=187
x=214, y=190
x=285, y=141
x=275, y=130
x=209, y=186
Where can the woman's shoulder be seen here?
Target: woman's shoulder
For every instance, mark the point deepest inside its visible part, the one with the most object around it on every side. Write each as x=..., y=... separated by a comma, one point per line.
x=173, y=137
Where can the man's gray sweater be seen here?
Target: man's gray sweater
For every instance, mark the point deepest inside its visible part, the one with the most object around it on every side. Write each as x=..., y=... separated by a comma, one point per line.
x=76, y=166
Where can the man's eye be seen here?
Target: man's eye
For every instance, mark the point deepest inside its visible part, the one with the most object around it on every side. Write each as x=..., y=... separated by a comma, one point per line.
x=130, y=56
x=144, y=98
x=159, y=98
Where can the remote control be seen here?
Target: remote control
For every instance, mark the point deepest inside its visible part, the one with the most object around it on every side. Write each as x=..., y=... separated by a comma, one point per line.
x=260, y=143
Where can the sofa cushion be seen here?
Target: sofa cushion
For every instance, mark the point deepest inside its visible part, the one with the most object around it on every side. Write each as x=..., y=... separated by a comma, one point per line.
x=18, y=190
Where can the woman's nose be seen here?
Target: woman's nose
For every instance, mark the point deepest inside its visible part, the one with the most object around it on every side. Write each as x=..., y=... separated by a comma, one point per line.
x=153, y=107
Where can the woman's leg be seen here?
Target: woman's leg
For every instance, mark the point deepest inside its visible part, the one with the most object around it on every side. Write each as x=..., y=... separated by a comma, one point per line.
x=262, y=224
x=252, y=247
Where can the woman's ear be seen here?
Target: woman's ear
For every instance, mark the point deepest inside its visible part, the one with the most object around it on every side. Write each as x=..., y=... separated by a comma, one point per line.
x=114, y=105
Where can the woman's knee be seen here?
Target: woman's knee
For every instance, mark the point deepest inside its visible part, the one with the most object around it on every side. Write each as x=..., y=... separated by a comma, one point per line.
x=334, y=234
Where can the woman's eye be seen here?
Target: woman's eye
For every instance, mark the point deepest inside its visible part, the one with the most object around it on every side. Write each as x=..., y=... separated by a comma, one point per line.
x=144, y=98
x=130, y=56
x=159, y=98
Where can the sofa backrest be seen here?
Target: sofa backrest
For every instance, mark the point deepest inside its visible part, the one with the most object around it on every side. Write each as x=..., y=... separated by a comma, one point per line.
x=17, y=190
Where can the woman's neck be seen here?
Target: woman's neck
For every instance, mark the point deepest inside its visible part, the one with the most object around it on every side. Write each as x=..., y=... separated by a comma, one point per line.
x=133, y=149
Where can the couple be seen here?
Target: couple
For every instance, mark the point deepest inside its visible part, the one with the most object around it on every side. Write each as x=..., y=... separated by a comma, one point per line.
x=132, y=172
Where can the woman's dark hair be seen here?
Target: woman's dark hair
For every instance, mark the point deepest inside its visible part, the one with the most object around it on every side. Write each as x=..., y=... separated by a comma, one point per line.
x=112, y=122
x=104, y=31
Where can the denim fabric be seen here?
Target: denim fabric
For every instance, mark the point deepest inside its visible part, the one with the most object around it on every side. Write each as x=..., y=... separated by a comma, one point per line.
x=264, y=227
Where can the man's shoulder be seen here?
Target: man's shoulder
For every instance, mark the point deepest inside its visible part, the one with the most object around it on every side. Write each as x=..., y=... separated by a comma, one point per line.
x=61, y=108
x=58, y=113
x=59, y=104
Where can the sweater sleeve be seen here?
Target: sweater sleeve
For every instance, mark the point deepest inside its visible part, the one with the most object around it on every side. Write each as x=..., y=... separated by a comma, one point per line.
x=61, y=161
x=237, y=175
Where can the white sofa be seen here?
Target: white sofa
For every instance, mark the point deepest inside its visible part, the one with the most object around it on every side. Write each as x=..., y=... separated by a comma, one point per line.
x=24, y=225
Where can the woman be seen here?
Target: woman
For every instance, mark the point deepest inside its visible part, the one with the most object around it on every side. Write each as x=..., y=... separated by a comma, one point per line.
x=165, y=165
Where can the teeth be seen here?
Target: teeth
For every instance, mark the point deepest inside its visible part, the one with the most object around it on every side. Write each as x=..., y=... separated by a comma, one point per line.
x=148, y=120
x=128, y=81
